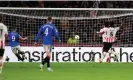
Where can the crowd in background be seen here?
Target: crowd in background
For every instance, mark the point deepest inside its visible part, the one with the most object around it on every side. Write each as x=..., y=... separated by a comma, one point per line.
x=68, y=4
x=85, y=28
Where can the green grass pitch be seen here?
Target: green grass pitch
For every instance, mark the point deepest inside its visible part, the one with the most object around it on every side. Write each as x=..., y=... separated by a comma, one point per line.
x=68, y=71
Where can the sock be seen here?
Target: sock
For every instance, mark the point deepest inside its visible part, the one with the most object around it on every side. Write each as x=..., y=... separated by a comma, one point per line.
x=108, y=59
x=0, y=63
x=43, y=61
x=103, y=56
x=22, y=53
x=117, y=55
x=18, y=56
x=48, y=61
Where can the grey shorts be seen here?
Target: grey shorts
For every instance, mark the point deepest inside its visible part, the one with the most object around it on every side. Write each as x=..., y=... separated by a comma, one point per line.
x=47, y=48
x=16, y=49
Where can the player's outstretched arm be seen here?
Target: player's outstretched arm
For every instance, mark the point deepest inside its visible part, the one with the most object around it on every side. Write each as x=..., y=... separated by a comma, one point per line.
x=100, y=34
x=56, y=34
x=6, y=31
x=38, y=35
x=21, y=38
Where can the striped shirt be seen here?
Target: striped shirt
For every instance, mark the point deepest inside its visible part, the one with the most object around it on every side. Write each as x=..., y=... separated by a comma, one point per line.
x=3, y=33
x=109, y=34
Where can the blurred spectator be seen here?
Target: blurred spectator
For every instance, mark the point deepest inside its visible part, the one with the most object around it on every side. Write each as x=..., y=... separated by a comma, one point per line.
x=40, y=4
x=66, y=4
x=67, y=23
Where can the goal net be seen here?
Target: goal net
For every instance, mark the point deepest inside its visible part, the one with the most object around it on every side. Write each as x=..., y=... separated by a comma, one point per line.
x=71, y=21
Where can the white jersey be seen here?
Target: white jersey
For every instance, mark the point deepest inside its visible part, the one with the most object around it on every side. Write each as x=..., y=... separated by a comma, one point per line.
x=109, y=34
x=3, y=33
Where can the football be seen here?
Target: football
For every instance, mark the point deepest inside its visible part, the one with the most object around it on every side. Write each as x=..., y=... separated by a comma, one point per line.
x=77, y=37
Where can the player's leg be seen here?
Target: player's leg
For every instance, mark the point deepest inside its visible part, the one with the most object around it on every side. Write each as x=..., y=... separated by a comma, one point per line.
x=21, y=52
x=105, y=53
x=116, y=55
x=14, y=50
x=47, y=48
x=1, y=59
x=109, y=56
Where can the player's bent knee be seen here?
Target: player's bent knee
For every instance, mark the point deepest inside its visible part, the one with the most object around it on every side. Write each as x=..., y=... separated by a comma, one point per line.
x=48, y=54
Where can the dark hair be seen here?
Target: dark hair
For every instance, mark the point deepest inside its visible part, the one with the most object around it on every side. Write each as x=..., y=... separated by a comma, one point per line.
x=49, y=18
x=13, y=29
x=106, y=24
x=0, y=17
x=112, y=24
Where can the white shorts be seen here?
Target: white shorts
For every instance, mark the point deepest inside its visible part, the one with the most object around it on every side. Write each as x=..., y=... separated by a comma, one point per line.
x=47, y=48
x=16, y=49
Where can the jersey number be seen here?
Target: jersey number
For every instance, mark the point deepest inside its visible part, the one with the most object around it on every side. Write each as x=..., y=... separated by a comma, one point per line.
x=111, y=33
x=1, y=30
x=46, y=32
x=13, y=38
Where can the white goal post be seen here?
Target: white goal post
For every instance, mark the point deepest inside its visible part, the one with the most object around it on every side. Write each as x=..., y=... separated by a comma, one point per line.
x=84, y=22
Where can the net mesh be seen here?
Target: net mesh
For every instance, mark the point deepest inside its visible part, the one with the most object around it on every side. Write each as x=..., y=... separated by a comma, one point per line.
x=84, y=23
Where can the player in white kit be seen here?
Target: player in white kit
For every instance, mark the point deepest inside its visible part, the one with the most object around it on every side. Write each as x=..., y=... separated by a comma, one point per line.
x=3, y=34
x=108, y=34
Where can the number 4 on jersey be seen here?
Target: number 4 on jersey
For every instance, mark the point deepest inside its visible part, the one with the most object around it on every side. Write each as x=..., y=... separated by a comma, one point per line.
x=46, y=31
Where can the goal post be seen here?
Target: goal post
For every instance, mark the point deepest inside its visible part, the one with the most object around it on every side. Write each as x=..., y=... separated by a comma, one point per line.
x=84, y=22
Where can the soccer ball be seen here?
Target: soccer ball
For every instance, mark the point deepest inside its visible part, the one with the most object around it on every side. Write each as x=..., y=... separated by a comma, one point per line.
x=77, y=37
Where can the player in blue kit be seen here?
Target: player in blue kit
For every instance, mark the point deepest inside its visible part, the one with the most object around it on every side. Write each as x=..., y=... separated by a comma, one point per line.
x=47, y=31
x=14, y=38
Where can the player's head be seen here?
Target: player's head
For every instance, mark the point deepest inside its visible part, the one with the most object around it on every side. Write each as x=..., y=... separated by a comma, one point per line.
x=106, y=24
x=49, y=19
x=14, y=29
x=0, y=17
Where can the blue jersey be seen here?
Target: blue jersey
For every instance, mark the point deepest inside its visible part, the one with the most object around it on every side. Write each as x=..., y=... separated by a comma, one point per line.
x=47, y=31
x=13, y=39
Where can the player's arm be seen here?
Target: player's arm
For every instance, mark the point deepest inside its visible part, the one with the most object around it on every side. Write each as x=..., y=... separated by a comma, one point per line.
x=56, y=34
x=38, y=36
x=101, y=32
x=119, y=27
x=6, y=32
x=21, y=38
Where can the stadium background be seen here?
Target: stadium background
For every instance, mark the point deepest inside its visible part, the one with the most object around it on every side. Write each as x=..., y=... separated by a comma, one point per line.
x=85, y=28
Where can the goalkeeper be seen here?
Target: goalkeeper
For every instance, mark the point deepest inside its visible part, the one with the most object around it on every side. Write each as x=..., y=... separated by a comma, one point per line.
x=47, y=31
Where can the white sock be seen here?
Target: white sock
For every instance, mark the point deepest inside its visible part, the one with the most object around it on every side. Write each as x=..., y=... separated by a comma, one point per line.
x=41, y=65
x=117, y=54
x=105, y=55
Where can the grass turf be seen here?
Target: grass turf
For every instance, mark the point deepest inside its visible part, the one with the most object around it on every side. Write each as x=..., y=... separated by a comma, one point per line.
x=68, y=71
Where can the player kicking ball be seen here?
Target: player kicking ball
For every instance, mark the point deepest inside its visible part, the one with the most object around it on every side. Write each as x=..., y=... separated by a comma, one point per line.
x=114, y=55
x=47, y=31
x=3, y=34
x=14, y=38
x=108, y=34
